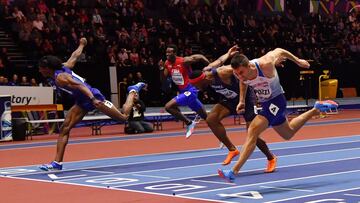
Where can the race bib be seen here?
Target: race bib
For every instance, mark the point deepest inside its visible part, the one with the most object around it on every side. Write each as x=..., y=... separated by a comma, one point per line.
x=229, y=94
x=273, y=109
x=177, y=77
x=108, y=104
x=263, y=90
x=187, y=93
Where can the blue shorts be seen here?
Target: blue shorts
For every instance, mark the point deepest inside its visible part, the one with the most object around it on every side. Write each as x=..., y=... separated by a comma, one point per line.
x=274, y=110
x=249, y=113
x=189, y=97
x=85, y=103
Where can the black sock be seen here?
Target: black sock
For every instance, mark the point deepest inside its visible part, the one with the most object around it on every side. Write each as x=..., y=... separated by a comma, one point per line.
x=261, y=144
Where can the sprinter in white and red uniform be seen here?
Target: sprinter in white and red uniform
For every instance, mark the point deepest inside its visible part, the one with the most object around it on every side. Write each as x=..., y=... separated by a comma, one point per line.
x=179, y=69
x=261, y=75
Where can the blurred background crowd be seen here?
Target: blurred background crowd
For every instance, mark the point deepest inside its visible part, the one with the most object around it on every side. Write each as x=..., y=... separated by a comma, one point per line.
x=133, y=34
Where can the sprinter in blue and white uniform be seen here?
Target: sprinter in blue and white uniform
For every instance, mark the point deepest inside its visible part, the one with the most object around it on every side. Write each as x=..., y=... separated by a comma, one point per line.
x=261, y=75
x=234, y=98
x=86, y=98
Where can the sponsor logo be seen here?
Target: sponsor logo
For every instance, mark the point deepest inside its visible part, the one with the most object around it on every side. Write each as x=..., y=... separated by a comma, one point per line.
x=22, y=100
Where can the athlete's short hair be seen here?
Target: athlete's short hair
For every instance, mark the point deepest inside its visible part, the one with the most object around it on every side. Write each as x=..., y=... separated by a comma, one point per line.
x=51, y=62
x=173, y=46
x=239, y=60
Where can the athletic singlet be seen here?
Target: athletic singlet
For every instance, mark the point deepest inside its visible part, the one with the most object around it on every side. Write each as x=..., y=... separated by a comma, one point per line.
x=265, y=88
x=228, y=91
x=73, y=92
x=179, y=74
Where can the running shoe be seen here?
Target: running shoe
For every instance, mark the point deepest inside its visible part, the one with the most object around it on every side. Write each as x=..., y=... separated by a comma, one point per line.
x=230, y=156
x=228, y=175
x=326, y=106
x=137, y=87
x=53, y=166
x=190, y=129
x=271, y=166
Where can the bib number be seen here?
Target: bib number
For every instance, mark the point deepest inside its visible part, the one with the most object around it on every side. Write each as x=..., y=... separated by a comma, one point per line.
x=273, y=109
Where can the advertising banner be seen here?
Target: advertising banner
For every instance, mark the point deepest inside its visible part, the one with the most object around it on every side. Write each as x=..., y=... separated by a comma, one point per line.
x=28, y=95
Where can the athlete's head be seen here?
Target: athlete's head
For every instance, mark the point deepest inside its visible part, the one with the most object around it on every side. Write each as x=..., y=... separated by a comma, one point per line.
x=198, y=79
x=241, y=66
x=48, y=64
x=171, y=52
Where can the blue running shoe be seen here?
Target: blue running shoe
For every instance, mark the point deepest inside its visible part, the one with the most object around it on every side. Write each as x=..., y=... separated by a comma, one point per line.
x=228, y=175
x=326, y=106
x=190, y=129
x=53, y=166
x=137, y=87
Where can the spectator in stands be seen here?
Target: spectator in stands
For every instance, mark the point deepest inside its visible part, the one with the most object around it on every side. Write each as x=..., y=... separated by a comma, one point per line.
x=47, y=47
x=2, y=66
x=14, y=81
x=139, y=77
x=2, y=80
x=18, y=14
x=24, y=81
x=96, y=18
x=6, y=81
x=31, y=14
x=33, y=82
x=38, y=24
x=130, y=79
x=53, y=14
x=134, y=57
x=136, y=118
x=42, y=7
x=123, y=57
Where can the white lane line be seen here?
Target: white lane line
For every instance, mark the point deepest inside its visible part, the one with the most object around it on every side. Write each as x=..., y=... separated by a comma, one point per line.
x=215, y=182
x=353, y=195
x=150, y=176
x=285, y=188
x=55, y=177
x=324, y=193
x=95, y=171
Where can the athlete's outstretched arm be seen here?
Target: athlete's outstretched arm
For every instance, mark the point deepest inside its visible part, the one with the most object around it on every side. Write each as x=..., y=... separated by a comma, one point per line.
x=188, y=60
x=70, y=63
x=221, y=60
x=280, y=54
